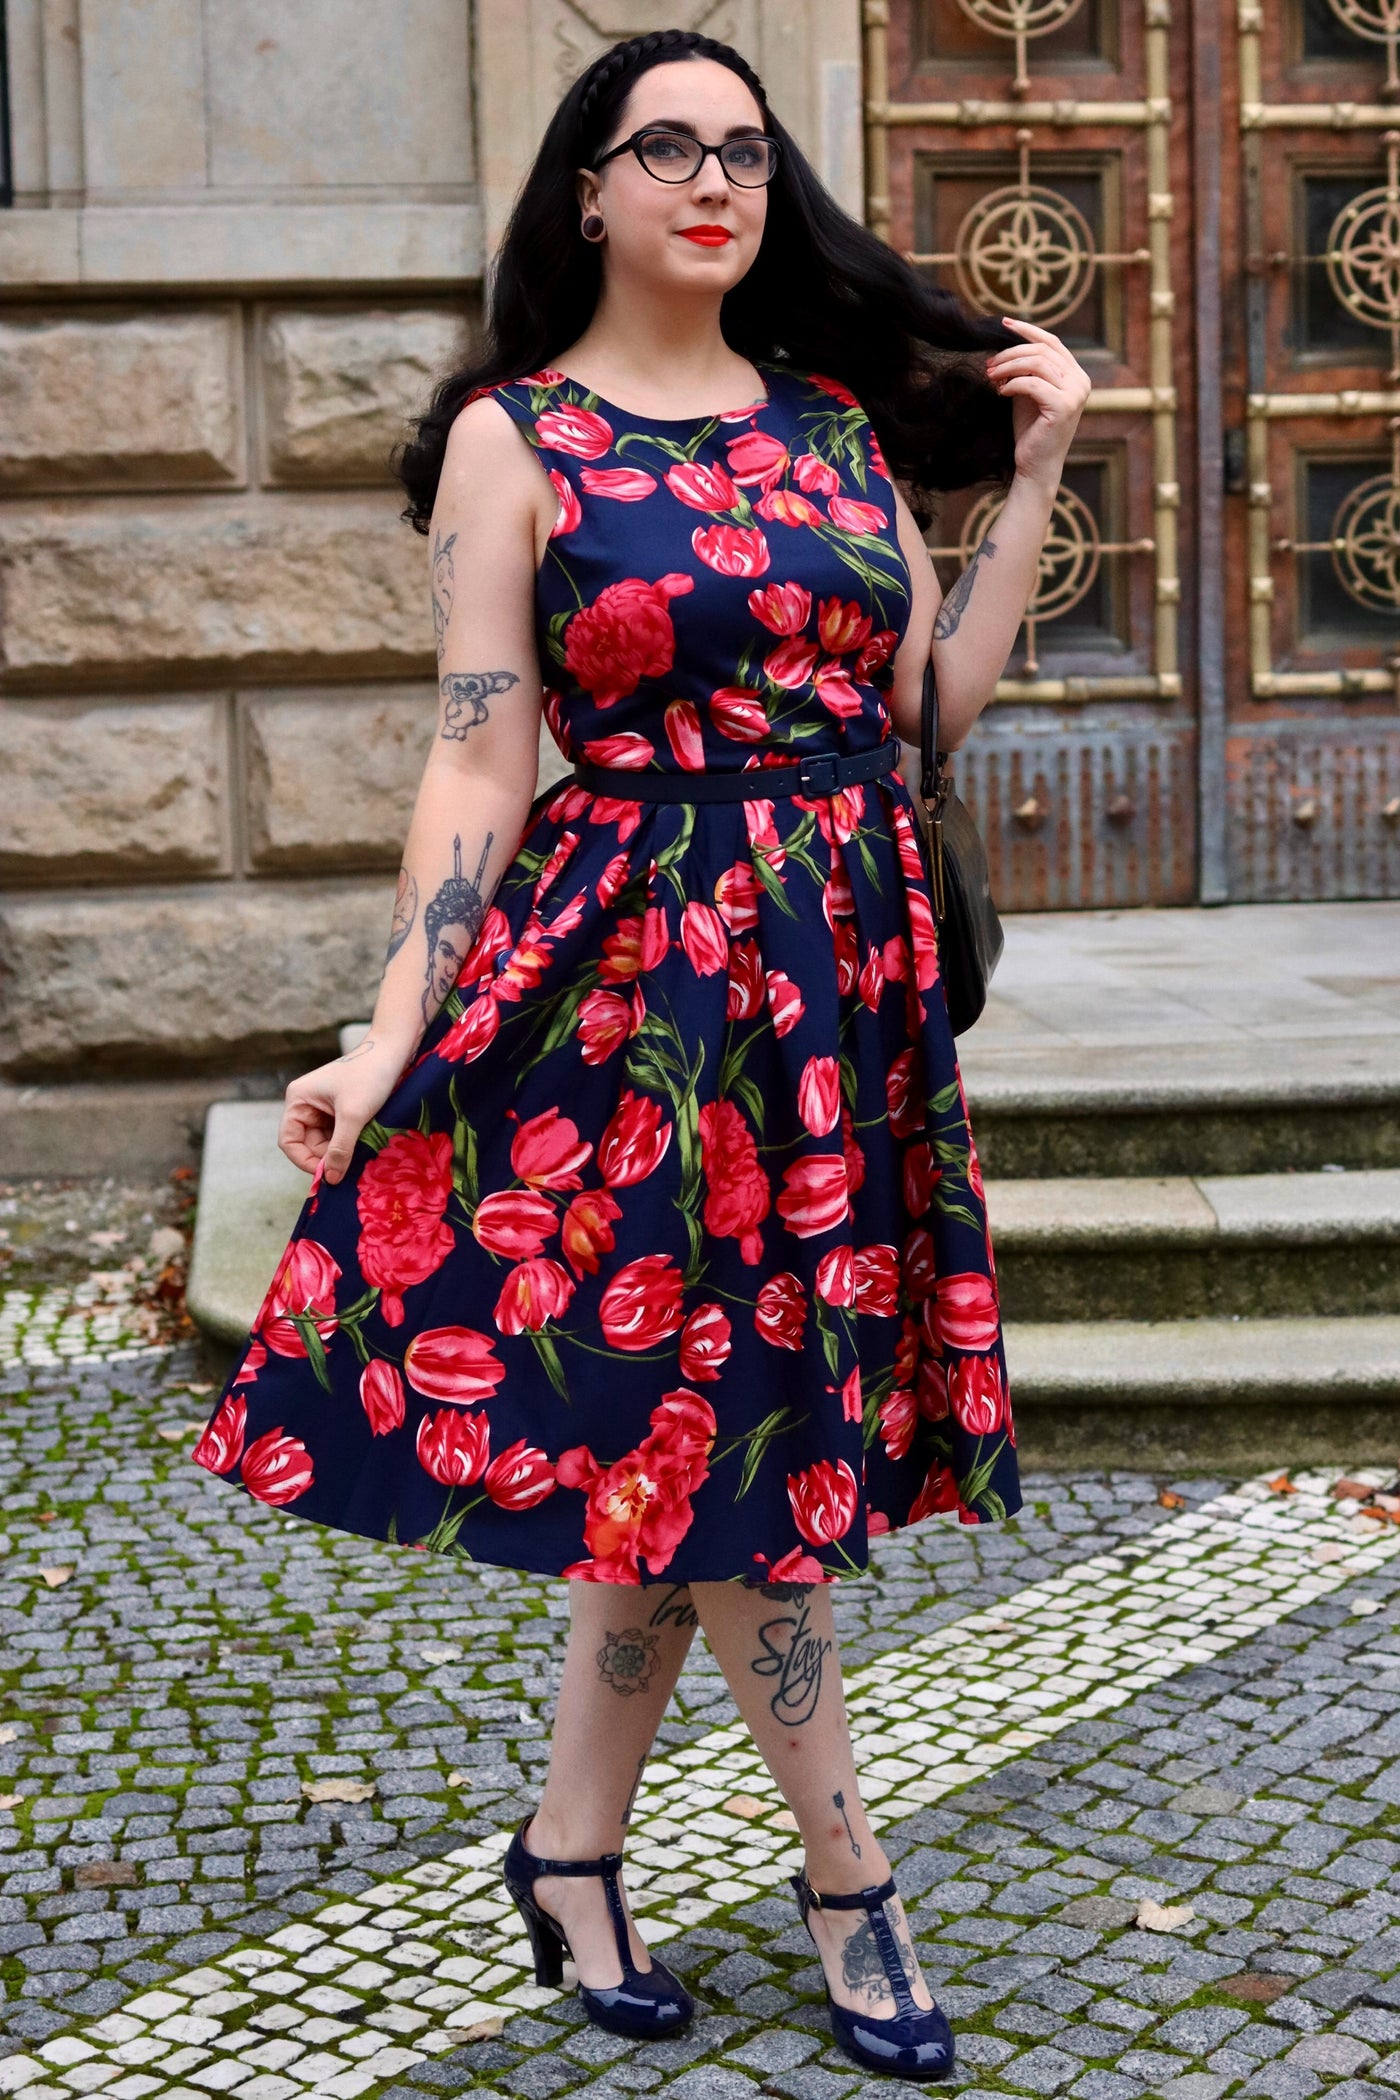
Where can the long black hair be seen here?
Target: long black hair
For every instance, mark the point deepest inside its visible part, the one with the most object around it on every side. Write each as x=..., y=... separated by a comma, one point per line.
x=823, y=293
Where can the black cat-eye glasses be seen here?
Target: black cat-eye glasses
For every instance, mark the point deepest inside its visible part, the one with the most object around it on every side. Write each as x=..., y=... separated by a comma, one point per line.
x=674, y=156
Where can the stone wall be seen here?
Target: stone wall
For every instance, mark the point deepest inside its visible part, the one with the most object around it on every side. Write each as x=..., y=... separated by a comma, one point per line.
x=247, y=237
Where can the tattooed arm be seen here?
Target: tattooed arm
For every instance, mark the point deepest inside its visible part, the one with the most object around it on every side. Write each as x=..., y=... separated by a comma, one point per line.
x=494, y=510
x=971, y=632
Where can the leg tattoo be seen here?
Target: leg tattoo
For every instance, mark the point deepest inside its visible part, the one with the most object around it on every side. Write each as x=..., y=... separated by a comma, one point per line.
x=628, y=1661
x=675, y=1608
x=797, y=1661
x=840, y=1800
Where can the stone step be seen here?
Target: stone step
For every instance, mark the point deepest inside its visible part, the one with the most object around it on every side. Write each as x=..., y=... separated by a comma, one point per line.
x=1231, y=1396
x=1218, y=1106
x=1187, y=1247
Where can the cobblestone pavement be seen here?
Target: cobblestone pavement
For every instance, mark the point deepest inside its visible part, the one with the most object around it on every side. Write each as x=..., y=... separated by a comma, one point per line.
x=1138, y=1766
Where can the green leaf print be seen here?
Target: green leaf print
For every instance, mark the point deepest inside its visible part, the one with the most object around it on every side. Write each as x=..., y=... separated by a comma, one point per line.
x=771, y=882
x=754, y=1444
x=675, y=851
x=315, y=1347
x=377, y=1135
x=549, y=1356
x=425, y=1121
x=463, y=1150
x=749, y=1093
x=867, y=861
x=973, y=1485
x=847, y=1069
x=945, y=1100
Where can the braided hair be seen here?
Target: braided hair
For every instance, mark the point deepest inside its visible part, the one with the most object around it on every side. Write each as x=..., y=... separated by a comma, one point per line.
x=823, y=293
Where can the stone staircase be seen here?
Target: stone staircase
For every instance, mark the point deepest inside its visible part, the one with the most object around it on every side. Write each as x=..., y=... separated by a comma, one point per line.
x=1195, y=1206
x=1196, y=1213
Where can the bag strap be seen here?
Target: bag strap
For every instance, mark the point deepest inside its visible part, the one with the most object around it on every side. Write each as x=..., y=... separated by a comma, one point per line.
x=933, y=787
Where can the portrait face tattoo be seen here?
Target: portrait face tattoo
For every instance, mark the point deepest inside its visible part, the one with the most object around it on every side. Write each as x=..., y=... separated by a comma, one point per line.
x=452, y=922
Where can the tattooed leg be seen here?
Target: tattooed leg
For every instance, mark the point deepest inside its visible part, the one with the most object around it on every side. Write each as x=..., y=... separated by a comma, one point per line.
x=451, y=923
x=955, y=604
x=776, y=1644
x=615, y=1687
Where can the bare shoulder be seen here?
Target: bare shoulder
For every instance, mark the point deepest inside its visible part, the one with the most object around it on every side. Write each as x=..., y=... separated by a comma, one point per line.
x=491, y=472
x=482, y=438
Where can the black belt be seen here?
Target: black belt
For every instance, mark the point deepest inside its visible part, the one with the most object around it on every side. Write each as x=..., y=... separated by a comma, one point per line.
x=819, y=773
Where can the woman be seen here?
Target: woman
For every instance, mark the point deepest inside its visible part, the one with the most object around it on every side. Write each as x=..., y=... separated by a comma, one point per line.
x=646, y=1240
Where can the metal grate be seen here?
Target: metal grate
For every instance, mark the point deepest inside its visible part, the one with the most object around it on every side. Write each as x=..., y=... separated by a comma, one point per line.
x=1314, y=810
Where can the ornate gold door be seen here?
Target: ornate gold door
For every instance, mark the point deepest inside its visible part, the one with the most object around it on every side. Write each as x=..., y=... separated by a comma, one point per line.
x=1203, y=701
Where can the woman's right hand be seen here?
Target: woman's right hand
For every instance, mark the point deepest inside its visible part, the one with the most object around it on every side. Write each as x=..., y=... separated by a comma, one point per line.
x=327, y=1109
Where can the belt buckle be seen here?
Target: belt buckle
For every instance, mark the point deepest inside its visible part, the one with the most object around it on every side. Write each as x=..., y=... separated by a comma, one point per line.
x=817, y=772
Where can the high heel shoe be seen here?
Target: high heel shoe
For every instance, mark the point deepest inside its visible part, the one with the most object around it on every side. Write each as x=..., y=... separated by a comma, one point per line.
x=912, y=2043
x=647, y=2002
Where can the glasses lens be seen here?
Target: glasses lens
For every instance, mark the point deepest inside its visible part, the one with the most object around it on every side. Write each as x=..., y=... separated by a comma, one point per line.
x=669, y=155
x=749, y=162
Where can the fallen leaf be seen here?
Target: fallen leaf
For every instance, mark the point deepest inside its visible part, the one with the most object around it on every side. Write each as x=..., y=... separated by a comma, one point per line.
x=8, y=1733
x=483, y=2031
x=1330, y=1549
x=785, y=1819
x=10, y=1800
x=439, y=1652
x=172, y=1436
x=54, y=1576
x=1168, y=1500
x=458, y=1779
x=1154, y=1917
x=1352, y=1491
x=1256, y=1988
x=1280, y=1485
x=338, y=1789
x=105, y=1874
x=743, y=1805
x=198, y=1390
x=1365, y=1606
x=47, y=1516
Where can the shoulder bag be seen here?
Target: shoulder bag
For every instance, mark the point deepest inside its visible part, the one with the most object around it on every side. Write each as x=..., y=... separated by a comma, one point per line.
x=970, y=938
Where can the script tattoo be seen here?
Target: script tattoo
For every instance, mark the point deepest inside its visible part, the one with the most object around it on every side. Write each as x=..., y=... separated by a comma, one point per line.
x=955, y=604
x=628, y=1660
x=840, y=1800
x=675, y=1608
x=405, y=912
x=444, y=579
x=464, y=696
x=452, y=922
x=796, y=1663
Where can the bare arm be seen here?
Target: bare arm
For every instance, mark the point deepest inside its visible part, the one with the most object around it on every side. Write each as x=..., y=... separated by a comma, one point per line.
x=971, y=632
x=478, y=781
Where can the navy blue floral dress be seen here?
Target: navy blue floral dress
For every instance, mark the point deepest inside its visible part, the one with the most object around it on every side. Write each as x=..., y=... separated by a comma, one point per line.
x=667, y=1257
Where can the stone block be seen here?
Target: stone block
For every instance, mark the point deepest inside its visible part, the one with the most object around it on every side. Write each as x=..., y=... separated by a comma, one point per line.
x=331, y=775
x=120, y=400
x=124, y=787
x=288, y=586
x=340, y=388
x=310, y=94
x=144, y=96
x=184, y=977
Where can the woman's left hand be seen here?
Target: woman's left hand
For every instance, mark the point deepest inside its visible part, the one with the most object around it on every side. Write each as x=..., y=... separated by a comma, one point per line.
x=1048, y=389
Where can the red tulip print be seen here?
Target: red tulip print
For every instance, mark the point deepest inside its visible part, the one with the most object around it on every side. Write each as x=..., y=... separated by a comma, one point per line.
x=966, y=1316
x=521, y=1477
x=819, y=1095
x=635, y=1141
x=277, y=1468
x=547, y=1152
x=534, y=1293
x=453, y=1448
x=814, y=1195
x=453, y=1363
x=780, y=1311
x=515, y=1222
x=823, y=1499
x=642, y=1304
x=705, y=1344
x=221, y=1446
x=304, y=1283
x=587, y=1230
x=381, y=1396
x=731, y=550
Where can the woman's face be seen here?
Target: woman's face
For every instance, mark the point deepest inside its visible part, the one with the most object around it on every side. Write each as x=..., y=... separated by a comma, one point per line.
x=651, y=225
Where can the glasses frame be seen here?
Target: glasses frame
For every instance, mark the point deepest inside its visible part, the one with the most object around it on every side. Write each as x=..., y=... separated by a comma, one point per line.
x=633, y=145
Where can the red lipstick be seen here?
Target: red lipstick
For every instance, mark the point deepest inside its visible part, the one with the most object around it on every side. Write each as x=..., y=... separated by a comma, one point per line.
x=706, y=236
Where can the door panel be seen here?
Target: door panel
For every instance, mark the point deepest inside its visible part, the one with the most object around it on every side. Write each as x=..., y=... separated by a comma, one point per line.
x=1177, y=193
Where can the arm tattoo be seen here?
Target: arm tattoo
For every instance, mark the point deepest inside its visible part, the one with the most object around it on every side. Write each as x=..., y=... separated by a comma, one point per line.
x=405, y=912
x=628, y=1661
x=675, y=1608
x=955, y=604
x=464, y=693
x=840, y=1800
x=452, y=922
x=443, y=580
x=796, y=1662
